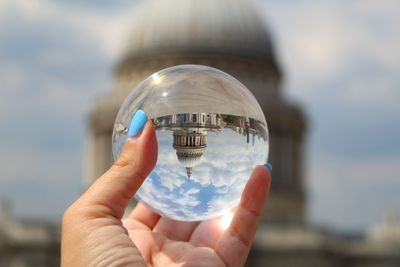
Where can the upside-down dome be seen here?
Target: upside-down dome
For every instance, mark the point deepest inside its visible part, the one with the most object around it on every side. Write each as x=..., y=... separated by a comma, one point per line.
x=231, y=27
x=189, y=157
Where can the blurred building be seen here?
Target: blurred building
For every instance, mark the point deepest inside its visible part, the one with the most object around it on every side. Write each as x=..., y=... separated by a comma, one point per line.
x=27, y=243
x=231, y=35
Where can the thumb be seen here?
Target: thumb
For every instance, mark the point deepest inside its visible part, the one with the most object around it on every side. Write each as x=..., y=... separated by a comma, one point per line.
x=110, y=194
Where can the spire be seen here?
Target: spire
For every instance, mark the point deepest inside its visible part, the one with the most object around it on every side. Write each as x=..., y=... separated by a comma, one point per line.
x=189, y=172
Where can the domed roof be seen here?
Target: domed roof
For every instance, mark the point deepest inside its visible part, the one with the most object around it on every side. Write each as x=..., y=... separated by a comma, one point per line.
x=186, y=26
x=189, y=157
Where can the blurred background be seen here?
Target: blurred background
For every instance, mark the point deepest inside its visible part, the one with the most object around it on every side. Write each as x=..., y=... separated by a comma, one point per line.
x=327, y=74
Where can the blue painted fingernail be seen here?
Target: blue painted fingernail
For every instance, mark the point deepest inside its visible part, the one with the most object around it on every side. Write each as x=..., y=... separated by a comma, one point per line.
x=269, y=166
x=138, y=122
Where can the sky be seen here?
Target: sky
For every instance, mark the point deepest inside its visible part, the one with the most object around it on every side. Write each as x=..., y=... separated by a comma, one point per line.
x=341, y=64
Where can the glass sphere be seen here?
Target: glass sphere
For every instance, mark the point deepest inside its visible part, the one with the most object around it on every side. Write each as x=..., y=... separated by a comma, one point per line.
x=211, y=133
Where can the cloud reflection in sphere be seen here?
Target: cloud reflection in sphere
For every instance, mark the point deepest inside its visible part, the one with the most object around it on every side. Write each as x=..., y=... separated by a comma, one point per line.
x=211, y=134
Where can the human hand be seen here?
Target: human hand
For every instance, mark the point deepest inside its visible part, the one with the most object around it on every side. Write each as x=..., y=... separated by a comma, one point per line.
x=94, y=233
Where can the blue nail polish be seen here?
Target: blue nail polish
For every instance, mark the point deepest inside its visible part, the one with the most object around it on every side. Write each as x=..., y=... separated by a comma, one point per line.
x=269, y=166
x=138, y=122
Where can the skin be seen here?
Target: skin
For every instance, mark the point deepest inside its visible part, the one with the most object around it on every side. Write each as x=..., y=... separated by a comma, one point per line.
x=94, y=233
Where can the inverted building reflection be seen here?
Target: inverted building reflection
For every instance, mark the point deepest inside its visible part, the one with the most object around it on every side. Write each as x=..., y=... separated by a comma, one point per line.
x=190, y=132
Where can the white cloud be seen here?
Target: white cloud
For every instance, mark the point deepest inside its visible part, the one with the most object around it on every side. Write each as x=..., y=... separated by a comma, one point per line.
x=31, y=10
x=192, y=191
x=109, y=29
x=318, y=40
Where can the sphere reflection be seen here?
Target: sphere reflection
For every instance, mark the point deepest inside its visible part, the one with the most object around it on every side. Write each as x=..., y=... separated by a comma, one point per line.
x=211, y=133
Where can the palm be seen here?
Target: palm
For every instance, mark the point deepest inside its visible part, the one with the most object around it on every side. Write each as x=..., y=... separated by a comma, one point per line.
x=164, y=242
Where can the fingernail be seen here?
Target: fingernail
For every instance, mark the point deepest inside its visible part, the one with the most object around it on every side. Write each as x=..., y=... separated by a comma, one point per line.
x=138, y=122
x=269, y=166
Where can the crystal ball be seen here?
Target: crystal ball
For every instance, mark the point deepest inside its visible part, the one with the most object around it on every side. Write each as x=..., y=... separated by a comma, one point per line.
x=211, y=133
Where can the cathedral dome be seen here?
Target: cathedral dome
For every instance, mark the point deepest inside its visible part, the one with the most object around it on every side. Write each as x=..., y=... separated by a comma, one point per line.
x=189, y=157
x=231, y=27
